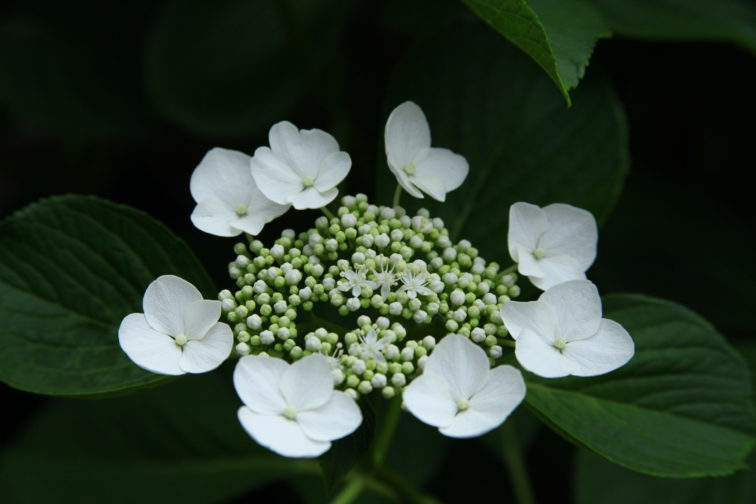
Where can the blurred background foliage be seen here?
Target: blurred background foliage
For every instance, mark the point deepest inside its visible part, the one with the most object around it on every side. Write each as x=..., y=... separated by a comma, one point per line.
x=122, y=100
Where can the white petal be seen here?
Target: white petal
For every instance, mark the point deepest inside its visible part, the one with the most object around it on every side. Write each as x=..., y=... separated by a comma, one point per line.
x=222, y=175
x=253, y=223
x=276, y=179
x=406, y=133
x=503, y=392
x=215, y=217
x=431, y=186
x=577, y=307
x=609, y=349
x=556, y=270
x=405, y=182
x=462, y=363
x=257, y=380
x=443, y=164
x=303, y=150
x=164, y=302
x=311, y=198
x=280, y=435
x=200, y=316
x=539, y=357
x=530, y=315
x=572, y=232
x=429, y=399
x=308, y=383
x=333, y=169
x=149, y=349
x=527, y=264
x=337, y=418
x=206, y=354
x=526, y=225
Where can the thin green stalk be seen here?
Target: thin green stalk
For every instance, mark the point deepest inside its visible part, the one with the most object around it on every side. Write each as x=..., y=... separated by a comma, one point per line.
x=351, y=490
x=518, y=471
x=402, y=489
x=328, y=213
x=388, y=427
x=507, y=271
x=397, y=196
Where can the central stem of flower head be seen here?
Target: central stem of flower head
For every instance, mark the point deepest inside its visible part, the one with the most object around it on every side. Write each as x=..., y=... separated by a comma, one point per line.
x=307, y=181
x=241, y=210
x=539, y=253
x=181, y=339
x=290, y=412
x=560, y=343
x=462, y=404
x=409, y=169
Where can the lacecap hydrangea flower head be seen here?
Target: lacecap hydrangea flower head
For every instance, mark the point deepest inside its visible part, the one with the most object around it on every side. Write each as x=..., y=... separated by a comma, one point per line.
x=371, y=300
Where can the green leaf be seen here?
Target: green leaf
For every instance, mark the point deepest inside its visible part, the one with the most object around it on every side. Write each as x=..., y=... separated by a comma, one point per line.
x=490, y=103
x=558, y=34
x=681, y=407
x=598, y=481
x=178, y=443
x=731, y=21
x=71, y=267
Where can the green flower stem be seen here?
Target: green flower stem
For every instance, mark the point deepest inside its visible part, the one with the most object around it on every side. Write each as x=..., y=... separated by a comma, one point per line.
x=402, y=489
x=397, y=196
x=383, y=439
x=518, y=471
x=351, y=490
x=507, y=271
x=328, y=213
x=507, y=342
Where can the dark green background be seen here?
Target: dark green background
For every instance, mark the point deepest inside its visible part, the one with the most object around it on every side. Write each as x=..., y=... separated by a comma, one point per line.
x=110, y=99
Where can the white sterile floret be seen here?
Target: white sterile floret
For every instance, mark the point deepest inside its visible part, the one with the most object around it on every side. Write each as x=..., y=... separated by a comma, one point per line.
x=553, y=244
x=416, y=165
x=563, y=333
x=459, y=393
x=229, y=202
x=178, y=332
x=301, y=167
x=293, y=409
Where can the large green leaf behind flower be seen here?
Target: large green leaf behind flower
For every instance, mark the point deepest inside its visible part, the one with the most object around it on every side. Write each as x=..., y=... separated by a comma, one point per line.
x=178, y=443
x=682, y=407
x=71, y=267
x=487, y=101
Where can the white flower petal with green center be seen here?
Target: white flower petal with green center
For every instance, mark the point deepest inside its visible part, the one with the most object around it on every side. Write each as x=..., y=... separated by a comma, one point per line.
x=293, y=409
x=563, y=333
x=418, y=167
x=553, y=244
x=229, y=201
x=301, y=167
x=149, y=349
x=178, y=333
x=459, y=393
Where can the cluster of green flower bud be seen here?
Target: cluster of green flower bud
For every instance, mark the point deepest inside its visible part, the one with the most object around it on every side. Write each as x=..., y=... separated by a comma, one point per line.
x=403, y=276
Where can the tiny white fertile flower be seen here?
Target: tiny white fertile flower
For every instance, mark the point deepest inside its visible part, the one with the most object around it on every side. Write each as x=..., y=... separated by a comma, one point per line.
x=229, y=201
x=292, y=409
x=414, y=284
x=553, y=244
x=384, y=278
x=301, y=167
x=355, y=281
x=459, y=393
x=416, y=165
x=178, y=332
x=372, y=348
x=563, y=333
